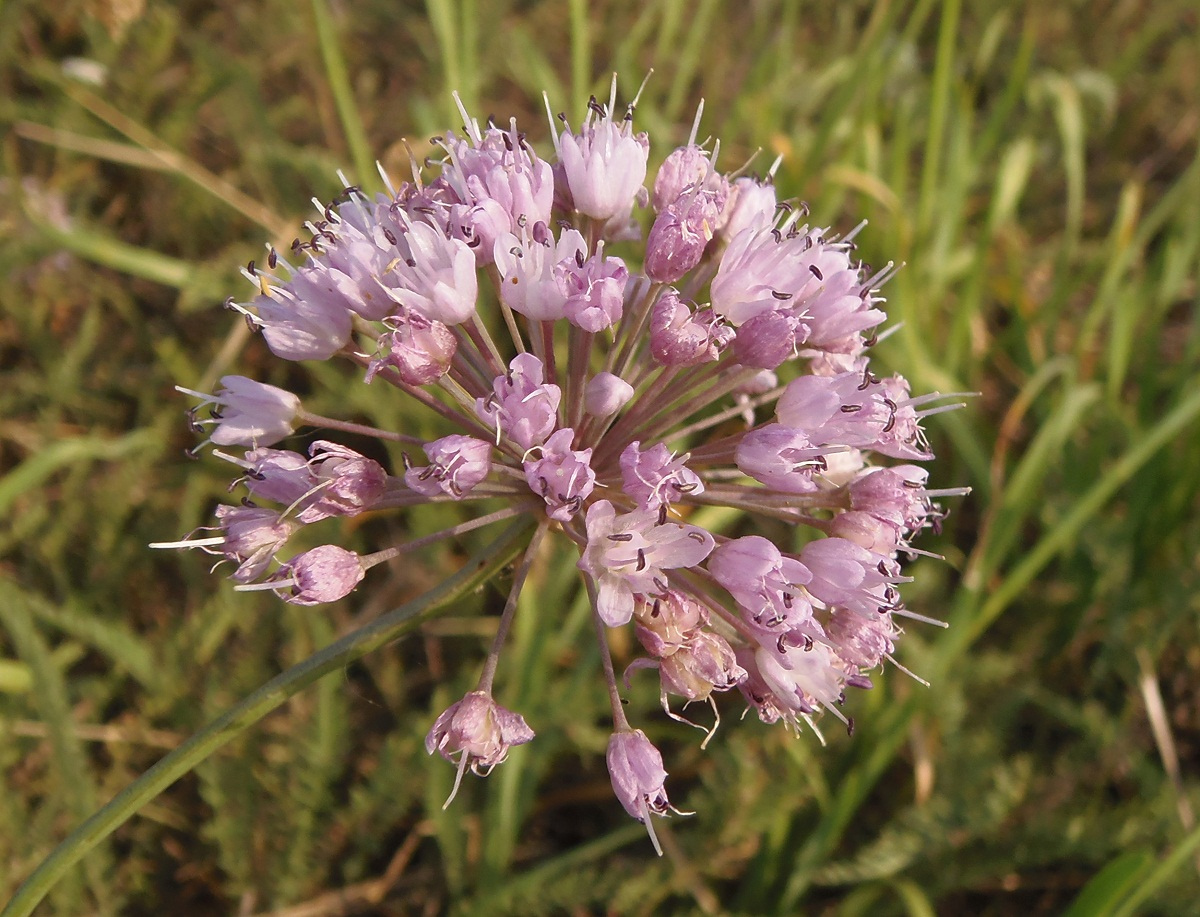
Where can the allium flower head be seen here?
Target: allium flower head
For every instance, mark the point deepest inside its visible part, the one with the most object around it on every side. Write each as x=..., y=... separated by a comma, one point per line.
x=605, y=390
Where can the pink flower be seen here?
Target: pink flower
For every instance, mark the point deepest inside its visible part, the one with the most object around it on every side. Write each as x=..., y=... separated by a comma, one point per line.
x=562, y=476
x=896, y=495
x=522, y=407
x=479, y=730
x=419, y=349
x=847, y=574
x=763, y=271
x=249, y=413
x=704, y=664
x=501, y=183
x=751, y=205
x=688, y=169
x=345, y=482
x=438, y=279
x=629, y=553
x=595, y=291
x=770, y=588
x=679, y=337
x=682, y=230
x=668, y=622
x=253, y=535
x=781, y=457
x=654, y=477
x=862, y=640
x=604, y=165
x=278, y=475
x=456, y=464
x=622, y=405
x=796, y=682
x=309, y=319
x=767, y=340
x=324, y=574
x=638, y=777
x=533, y=270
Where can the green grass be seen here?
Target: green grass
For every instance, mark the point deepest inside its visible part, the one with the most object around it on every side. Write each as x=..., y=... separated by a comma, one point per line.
x=1037, y=172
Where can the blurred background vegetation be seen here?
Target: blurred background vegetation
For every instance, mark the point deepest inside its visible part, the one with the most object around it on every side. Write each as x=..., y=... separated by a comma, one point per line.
x=1036, y=168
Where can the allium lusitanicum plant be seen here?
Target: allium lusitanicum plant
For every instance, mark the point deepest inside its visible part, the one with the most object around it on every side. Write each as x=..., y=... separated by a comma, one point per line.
x=724, y=362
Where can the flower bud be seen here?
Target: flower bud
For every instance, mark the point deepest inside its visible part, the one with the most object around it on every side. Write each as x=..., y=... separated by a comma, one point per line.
x=324, y=574
x=766, y=340
x=606, y=394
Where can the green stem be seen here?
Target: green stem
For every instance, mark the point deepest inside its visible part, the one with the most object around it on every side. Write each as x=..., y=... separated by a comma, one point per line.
x=477, y=571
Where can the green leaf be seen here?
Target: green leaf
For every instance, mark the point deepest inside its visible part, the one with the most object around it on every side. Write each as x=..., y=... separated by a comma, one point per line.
x=1100, y=896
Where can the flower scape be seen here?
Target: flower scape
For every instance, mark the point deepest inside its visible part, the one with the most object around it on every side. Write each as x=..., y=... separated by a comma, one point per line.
x=721, y=364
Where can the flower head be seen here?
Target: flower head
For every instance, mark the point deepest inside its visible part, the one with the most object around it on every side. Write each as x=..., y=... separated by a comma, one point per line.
x=615, y=401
